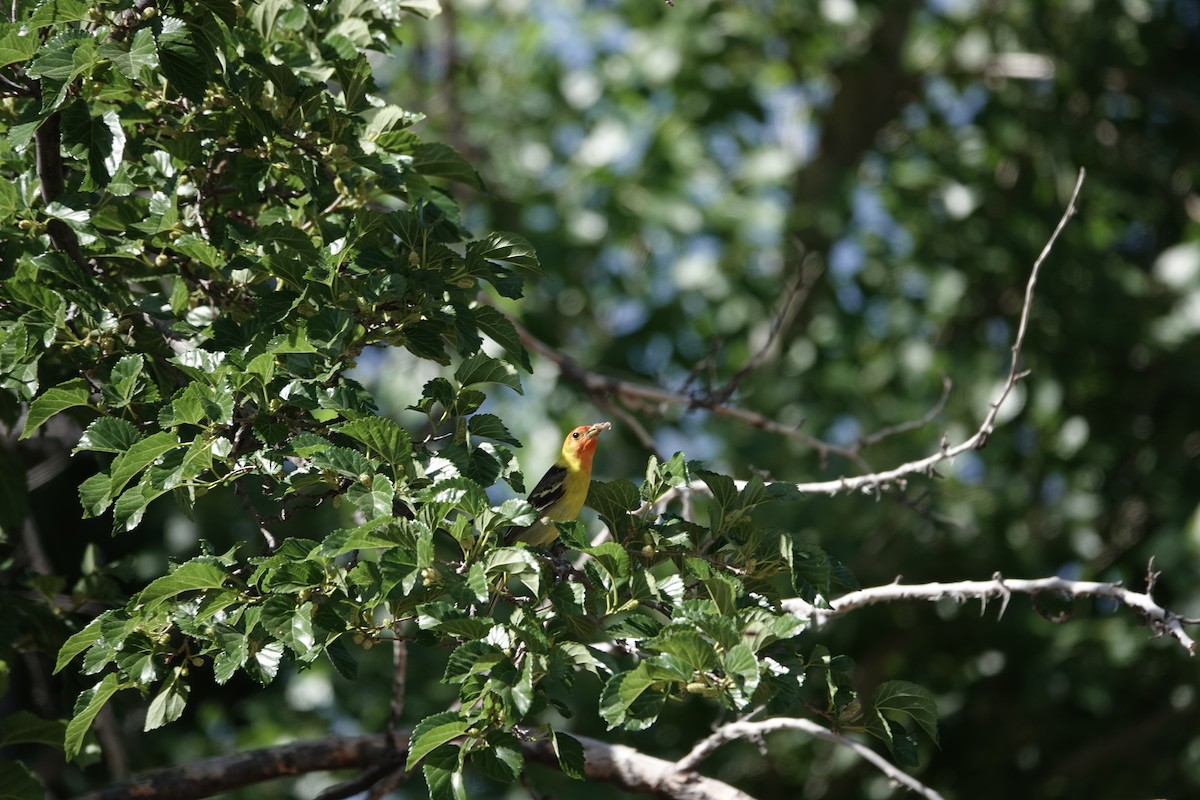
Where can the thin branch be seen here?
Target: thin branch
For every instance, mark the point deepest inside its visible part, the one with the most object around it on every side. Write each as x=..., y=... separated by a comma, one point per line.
x=399, y=684
x=604, y=386
x=211, y=776
x=631, y=422
x=1162, y=621
x=756, y=730
x=873, y=482
x=47, y=142
x=793, y=301
x=912, y=425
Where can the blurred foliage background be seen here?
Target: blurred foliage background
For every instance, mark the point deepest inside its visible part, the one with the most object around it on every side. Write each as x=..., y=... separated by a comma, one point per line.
x=678, y=168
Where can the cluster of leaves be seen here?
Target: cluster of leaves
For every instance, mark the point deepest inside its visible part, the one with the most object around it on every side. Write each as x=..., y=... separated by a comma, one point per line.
x=239, y=217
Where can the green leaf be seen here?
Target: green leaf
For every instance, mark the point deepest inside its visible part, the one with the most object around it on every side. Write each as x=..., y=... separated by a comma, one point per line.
x=24, y=727
x=374, y=499
x=907, y=699
x=180, y=60
x=613, y=500
x=87, y=706
x=629, y=701
x=17, y=43
x=433, y=732
x=51, y=12
x=142, y=55
x=573, y=533
x=384, y=438
x=499, y=328
x=443, y=161
x=503, y=760
x=78, y=642
x=571, y=758
x=505, y=249
x=139, y=456
x=108, y=435
x=123, y=385
x=490, y=426
x=168, y=704
x=690, y=648
x=196, y=575
x=17, y=782
x=481, y=368
x=443, y=771
x=69, y=394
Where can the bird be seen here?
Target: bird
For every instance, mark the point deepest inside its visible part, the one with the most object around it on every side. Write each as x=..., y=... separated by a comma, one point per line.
x=560, y=494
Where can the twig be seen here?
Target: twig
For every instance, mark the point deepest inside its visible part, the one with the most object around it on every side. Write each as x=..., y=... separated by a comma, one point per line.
x=1162, y=621
x=873, y=482
x=631, y=422
x=604, y=386
x=755, y=730
x=793, y=301
x=399, y=682
x=913, y=424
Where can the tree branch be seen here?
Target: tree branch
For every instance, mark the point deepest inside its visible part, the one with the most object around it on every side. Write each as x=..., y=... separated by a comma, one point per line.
x=604, y=386
x=873, y=482
x=617, y=765
x=756, y=730
x=1162, y=621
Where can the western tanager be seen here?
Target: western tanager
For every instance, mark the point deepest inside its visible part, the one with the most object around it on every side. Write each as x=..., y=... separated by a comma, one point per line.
x=559, y=495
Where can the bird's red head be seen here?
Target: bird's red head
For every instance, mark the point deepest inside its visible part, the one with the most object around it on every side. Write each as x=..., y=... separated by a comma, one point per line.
x=580, y=444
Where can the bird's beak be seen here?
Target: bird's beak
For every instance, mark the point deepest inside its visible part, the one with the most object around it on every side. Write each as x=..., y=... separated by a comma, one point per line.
x=594, y=431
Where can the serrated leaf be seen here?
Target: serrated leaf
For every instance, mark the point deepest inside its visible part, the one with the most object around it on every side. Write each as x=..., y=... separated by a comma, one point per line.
x=168, y=704
x=192, y=576
x=139, y=456
x=503, y=760
x=141, y=55
x=18, y=782
x=24, y=727
x=65, y=395
x=433, y=732
x=443, y=774
x=443, y=161
x=481, y=368
x=17, y=44
x=384, y=438
x=87, y=706
x=499, y=328
x=910, y=700
x=180, y=60
x=108, y=435
x=613, y=500
x=689, y=647
x=51, y=12
x=629, y=702
x=78, y=642
x=490, y=426
x=571, y=758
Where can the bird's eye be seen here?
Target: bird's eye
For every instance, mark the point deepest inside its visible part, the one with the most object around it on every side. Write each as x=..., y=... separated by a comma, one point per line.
x=575, y=434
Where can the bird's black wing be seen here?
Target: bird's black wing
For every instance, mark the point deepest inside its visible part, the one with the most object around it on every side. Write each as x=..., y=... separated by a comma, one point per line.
x=549, y=489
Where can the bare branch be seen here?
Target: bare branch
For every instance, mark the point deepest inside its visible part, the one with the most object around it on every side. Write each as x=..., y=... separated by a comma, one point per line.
x=913, y=424
x=794, y=299
x=755, y=730
x=873, y=482
x=399, y=684
x=617, y=765
x=628, y=391
x=1162, y=621
x=633, y=771
x=225, y=773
